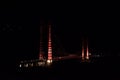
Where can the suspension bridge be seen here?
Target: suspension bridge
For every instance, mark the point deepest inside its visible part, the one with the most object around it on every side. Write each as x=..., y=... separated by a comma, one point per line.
x=48, y=58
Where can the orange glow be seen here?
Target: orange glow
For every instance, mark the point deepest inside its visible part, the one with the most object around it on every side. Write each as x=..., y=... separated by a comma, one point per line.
x=87, y=52
x=82, y=50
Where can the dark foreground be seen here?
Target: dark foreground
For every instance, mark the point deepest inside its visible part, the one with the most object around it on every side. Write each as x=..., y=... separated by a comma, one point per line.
x=105, y=68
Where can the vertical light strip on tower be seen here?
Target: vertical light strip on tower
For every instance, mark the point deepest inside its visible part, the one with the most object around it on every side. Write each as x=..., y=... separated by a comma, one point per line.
x=41, y=53
x=87, y=51
x=82, y=49
x=49, y=45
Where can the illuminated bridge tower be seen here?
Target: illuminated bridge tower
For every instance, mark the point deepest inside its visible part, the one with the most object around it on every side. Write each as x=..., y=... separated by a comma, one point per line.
x=41, y=52
x=85, y=50
x=49, y=60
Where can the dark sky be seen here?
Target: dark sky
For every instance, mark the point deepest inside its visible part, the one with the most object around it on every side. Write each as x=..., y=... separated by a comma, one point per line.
x=21, y=38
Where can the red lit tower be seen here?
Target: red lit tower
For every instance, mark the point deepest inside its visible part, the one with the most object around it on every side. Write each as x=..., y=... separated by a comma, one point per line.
x=49, y=60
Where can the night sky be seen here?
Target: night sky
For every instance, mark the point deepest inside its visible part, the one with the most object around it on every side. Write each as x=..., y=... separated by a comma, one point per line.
x=20, y=22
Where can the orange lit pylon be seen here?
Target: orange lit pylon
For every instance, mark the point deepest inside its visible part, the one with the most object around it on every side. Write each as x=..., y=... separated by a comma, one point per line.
x=83, y=50
x=49, y=45
x=87, y=52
